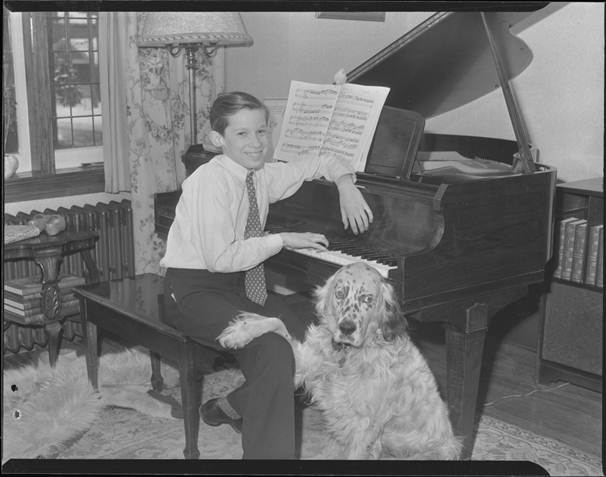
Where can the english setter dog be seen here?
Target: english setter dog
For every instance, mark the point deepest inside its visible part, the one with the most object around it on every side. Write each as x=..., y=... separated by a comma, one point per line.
x=374, y=388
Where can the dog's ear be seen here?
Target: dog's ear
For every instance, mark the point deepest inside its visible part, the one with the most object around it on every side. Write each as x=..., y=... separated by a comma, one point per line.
x=323, y=297
x=391, y=319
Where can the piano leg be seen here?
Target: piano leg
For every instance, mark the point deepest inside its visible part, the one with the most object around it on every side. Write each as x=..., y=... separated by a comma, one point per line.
x=465, y=344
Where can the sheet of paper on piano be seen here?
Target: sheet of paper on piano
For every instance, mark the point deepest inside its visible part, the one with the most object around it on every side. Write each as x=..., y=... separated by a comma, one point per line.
x=330, y=119
x=438, y=162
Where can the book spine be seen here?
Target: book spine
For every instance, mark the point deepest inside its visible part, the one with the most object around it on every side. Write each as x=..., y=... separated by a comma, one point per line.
x=599, y=277
x=17, y=301
x=562, y=237
x=579, y=252
x=592, y=254
x=31, y=288
x=66, y=308
x=33, y=296
x=568, y=250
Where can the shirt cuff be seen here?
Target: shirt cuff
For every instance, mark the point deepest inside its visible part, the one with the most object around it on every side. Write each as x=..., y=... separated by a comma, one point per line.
x=274, y=243
x=338, y=168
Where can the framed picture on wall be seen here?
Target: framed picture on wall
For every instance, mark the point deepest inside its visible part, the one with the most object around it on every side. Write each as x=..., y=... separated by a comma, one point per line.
x=365, y=16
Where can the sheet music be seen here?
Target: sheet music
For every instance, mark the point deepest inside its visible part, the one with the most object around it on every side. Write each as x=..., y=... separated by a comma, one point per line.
x=330, y=119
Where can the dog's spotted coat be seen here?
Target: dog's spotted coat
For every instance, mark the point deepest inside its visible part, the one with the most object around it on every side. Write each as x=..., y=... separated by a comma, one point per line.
x=377, y=394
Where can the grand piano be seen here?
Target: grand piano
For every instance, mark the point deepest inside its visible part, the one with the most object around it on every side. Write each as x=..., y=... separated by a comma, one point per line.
x=458, y=244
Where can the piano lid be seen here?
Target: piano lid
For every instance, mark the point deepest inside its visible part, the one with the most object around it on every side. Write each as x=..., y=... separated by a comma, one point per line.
x=445, y=61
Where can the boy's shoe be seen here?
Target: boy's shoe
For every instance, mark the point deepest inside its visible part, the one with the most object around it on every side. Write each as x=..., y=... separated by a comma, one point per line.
x=213, y=415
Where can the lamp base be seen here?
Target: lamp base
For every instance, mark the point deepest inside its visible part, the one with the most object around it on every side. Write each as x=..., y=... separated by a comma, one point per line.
x=195, y=156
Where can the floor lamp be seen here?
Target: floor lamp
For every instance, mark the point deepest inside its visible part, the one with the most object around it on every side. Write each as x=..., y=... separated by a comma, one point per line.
x=189, y=32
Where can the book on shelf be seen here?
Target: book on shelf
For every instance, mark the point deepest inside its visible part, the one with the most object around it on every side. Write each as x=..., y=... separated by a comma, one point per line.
x=17, y=301
x=569, y=247
x=329, y=119
x=599, y=277
x=31, y=285
x=561, y=246
x=593, y=249
x=70, y=306
x=33, y=297
x=579, y=252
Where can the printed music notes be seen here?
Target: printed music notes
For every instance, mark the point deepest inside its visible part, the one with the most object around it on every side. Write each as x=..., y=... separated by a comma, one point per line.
x=330, y=119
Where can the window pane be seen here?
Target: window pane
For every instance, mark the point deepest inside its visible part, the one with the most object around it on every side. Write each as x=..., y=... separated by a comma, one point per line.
x=64, y=132
x=96, y=99
x=83, y=108
x=98, y=130
x=83, y=132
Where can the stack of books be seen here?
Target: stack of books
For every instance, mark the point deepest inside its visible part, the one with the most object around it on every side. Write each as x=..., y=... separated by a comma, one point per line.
x=22, y=299
x=580, y=252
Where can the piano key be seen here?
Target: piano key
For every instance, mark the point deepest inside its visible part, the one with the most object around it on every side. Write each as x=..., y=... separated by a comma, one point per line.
x=339, y=258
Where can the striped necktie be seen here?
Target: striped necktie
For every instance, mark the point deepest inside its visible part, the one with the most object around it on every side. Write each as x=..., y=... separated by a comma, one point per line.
x=254, y=279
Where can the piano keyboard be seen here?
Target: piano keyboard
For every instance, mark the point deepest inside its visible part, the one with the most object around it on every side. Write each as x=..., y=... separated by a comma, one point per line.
x=340, y=258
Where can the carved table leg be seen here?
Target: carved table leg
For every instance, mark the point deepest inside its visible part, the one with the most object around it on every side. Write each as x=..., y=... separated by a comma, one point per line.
x=465, y=346
x=190, y=379
x=49, y=262
x=54, y=331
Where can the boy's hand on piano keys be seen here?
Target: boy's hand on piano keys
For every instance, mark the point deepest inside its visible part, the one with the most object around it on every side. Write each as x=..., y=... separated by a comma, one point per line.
x=355, y=212
x=298, y=240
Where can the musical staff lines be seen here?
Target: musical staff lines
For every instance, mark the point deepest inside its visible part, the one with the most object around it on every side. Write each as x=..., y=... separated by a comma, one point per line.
x=338, y=120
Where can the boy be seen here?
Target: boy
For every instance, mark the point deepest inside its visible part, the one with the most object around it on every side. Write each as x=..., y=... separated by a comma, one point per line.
x=214, y=259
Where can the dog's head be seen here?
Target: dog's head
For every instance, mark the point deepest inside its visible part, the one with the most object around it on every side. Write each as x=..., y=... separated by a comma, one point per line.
x=356, y=302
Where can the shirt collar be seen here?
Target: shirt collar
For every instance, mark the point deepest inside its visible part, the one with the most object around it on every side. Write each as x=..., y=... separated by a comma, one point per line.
x=232, y=166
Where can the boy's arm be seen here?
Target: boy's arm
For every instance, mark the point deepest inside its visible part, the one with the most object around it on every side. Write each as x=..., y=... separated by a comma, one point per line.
x=355, y=212
x=284, y=179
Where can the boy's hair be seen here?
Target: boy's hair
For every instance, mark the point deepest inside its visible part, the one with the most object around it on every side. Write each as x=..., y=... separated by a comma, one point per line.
x=228, y=104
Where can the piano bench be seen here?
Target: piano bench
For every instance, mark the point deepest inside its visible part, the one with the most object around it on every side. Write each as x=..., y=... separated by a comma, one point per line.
x=211, y=359
x=136, y=313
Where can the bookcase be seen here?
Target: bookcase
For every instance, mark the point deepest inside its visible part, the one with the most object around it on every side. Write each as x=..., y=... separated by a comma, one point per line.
x=571, y=322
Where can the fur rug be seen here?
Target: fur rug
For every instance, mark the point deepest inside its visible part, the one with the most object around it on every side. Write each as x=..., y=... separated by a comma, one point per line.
x=44, y=408
x=54, y=413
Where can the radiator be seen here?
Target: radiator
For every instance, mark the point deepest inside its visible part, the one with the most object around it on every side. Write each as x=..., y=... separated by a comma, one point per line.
x=114, y=255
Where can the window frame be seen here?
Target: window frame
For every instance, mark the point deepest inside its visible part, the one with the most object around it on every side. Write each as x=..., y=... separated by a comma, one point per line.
x=44, y=181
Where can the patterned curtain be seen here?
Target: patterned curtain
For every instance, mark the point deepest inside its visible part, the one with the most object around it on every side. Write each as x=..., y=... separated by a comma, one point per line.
x=158, y=123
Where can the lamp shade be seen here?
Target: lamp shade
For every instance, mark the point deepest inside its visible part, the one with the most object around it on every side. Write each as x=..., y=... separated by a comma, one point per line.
x=162, y=29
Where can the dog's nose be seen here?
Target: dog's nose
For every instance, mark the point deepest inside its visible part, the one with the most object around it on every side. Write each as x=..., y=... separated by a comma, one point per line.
x=347, y=327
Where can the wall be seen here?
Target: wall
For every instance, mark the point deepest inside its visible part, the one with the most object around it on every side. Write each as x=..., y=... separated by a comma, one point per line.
x=299, y=46
x=560, y=94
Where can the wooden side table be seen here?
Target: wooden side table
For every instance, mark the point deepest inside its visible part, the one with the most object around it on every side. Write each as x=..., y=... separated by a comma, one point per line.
x=48, y=252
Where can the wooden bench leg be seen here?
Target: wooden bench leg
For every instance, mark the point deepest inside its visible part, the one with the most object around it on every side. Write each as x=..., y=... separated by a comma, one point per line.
x=464, y=362
x=92, y=354
x=190, y=378
x=156, y=378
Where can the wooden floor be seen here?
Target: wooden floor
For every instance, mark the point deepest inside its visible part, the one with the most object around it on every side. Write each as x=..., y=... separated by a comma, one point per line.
x=560, y=411
x=509, y=392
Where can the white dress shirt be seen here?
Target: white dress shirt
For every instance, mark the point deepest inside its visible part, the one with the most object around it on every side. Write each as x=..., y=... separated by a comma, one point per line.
x=210, y=217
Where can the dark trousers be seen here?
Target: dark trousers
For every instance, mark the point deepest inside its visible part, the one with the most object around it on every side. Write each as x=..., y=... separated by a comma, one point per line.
x=208, y=302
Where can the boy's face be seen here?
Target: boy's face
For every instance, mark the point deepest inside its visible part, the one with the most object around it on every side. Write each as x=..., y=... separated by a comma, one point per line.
x=246, y=138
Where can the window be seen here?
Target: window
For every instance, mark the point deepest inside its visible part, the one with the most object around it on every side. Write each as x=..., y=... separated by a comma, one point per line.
x=58, y=109
x=74, y=69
